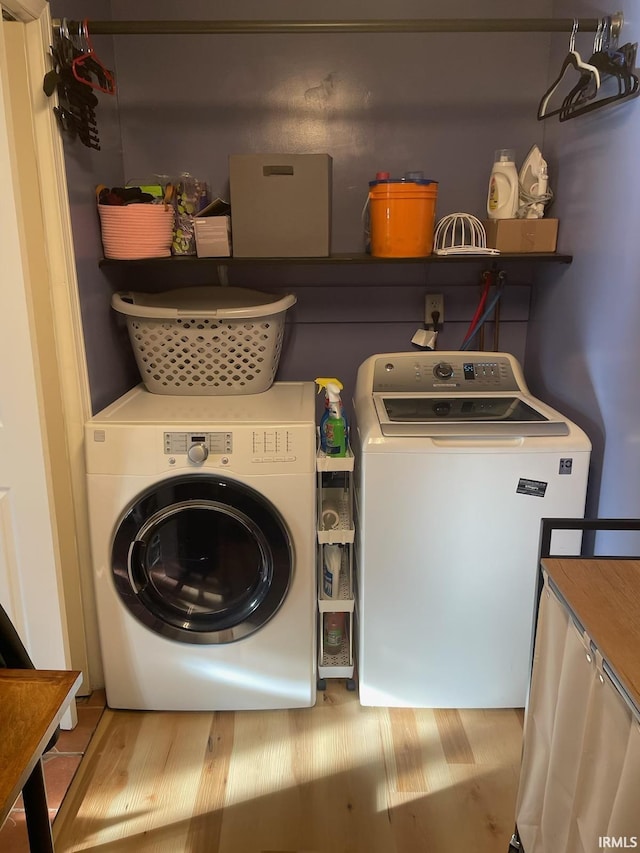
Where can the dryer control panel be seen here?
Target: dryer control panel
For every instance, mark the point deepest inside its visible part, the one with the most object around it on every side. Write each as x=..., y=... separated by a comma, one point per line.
x=434, y=372
x=214, y=442
x=247, y=446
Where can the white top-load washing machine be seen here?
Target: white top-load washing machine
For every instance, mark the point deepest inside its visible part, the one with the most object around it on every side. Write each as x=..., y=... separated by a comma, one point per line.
x=202, y=517
x=456, y=465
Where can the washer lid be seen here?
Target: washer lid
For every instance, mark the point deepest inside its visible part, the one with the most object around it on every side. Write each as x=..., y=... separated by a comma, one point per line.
x=454, y=393
x=488, y=415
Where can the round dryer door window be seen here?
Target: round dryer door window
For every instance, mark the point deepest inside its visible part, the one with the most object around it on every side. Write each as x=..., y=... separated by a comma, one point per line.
x=202, y=559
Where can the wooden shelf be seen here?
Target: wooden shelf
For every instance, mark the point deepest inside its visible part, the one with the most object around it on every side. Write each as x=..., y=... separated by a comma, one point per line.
x=351, y=258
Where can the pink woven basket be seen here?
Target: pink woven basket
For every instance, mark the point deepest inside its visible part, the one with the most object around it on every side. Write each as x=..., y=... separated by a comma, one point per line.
x=134, y=231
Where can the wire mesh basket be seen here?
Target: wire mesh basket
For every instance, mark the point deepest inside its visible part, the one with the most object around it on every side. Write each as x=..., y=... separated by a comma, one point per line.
x=205, y=340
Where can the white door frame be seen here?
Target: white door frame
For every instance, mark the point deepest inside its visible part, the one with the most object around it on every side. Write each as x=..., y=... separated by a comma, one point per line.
x=25, y=10
x=59, y=354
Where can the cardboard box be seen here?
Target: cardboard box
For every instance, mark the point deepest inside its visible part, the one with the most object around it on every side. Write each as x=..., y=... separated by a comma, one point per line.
x=280, y=205
x=522, y=235
x=212, y=229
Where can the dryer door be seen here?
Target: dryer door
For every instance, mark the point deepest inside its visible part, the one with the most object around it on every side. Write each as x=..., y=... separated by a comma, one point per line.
x=202, y=559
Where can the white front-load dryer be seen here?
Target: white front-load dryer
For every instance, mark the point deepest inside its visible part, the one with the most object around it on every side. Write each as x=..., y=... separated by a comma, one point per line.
x=202, y=520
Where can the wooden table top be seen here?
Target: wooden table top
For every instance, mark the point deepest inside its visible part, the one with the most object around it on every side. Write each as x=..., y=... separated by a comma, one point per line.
x=31, y=704
x=604, y=594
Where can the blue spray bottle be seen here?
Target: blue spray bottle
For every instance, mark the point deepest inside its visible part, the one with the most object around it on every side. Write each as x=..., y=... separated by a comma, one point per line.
x=334, y=430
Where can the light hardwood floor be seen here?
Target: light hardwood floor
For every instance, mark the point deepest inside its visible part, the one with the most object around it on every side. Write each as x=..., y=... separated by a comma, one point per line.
x=336, y=778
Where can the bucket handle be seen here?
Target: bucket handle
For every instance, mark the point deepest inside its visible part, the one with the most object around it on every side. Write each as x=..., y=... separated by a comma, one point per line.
x=366, y=224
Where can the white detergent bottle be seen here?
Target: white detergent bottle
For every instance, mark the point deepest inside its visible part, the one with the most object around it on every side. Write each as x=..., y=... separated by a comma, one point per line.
x=332, y=560
x=502, y=198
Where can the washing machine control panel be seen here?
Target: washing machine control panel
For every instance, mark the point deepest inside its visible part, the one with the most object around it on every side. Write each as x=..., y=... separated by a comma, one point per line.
x=442, y=371
x=198, y=444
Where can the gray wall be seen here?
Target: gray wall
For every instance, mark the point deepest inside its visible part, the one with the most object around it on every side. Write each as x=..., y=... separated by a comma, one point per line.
x=437, y=102
x=583, y=348
x=86, y=168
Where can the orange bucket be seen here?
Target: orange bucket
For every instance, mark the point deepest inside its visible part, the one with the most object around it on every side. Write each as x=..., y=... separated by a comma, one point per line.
x=402, y=217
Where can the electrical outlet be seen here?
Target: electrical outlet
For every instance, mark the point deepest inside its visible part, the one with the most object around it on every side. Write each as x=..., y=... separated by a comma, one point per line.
x=433, y=304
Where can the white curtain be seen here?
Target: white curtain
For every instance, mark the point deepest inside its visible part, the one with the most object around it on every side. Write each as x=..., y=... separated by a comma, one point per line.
x=580, y=777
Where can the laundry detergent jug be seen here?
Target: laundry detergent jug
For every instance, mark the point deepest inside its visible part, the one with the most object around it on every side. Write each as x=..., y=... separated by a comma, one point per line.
x=502, y=198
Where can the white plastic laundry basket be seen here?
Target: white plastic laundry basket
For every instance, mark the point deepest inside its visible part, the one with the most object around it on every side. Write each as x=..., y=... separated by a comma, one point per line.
x=205, y=340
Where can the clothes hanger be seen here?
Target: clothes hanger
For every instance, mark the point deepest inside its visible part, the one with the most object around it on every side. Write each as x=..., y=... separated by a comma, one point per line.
x=585, y=88
x=87, y=65
x=75, y=111
x=625, y=92
x=616, y=66
x=589, y=75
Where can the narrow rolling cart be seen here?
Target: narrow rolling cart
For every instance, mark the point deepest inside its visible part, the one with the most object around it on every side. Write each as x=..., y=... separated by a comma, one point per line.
x=336, y=534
